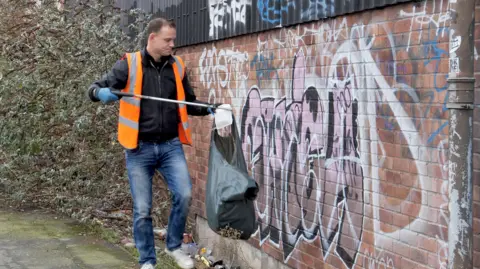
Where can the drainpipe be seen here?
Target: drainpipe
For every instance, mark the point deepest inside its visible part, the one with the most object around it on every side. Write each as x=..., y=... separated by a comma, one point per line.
x=460, y=106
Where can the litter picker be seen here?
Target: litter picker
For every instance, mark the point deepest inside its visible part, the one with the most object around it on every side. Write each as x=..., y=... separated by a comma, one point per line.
x=223, y=115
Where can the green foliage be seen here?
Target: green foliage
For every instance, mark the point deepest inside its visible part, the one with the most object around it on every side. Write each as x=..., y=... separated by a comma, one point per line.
x=57, y=148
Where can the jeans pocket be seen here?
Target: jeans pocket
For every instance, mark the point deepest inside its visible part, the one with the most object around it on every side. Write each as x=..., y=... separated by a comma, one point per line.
x=174, y=142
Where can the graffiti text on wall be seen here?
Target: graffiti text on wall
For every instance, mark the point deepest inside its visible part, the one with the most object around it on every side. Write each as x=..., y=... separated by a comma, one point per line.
x=329, y=126
x=227, y=15
x=285, y=140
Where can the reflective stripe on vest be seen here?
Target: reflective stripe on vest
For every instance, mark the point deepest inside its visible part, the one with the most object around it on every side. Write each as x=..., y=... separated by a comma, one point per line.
x=128, y=122
x=184, y=132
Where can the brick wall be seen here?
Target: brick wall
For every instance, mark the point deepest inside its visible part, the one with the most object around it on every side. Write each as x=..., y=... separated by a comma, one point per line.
x=344, y=126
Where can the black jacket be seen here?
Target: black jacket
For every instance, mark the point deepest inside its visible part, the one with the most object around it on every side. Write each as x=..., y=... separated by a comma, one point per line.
x=158, y=120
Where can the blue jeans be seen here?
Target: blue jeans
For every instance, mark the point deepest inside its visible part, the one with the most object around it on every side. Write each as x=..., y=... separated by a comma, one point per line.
x=168, y=157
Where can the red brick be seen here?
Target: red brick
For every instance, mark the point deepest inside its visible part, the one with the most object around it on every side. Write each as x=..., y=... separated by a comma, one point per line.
x=334, y=262
x=400, y=136
x=437, y=261
x=407, y=264
x=476, y=191
x=368, y=237
x=386, y=216
x=368, y=224
x=387, y=228
x=476, y=177
x=409, y=180
x=429, y=229
x=308, y=260
x=379, y=15
x=401, y=220
x=476, y=243
x=386, y=136
x=401, y=165
x=310, y=249
x=410, y=209
x=476, y=225
x=476, y=261
x=401, y=249
x=435, y=200
x=476, y=209
x=401, y=26
x=254, y=241
x=429, y=244
x=430, y=214
x=415, y=196
x=294, y=263
x=272, y=251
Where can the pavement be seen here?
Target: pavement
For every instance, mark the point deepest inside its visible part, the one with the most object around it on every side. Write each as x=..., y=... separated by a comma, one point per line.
x=43, y=241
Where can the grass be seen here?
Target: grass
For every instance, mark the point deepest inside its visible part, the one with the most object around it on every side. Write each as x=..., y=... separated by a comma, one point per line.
x=98, y=231
x=113, y=237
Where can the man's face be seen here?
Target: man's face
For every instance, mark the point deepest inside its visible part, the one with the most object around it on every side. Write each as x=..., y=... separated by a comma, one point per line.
x=163, y=41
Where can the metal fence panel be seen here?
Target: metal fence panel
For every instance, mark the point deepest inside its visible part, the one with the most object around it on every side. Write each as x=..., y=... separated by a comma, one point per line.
x=201, y=21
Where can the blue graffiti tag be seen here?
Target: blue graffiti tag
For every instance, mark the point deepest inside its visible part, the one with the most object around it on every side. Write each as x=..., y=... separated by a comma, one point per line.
x=431, y=46
x=264, y=68
x=319, y=9
x=268, y=9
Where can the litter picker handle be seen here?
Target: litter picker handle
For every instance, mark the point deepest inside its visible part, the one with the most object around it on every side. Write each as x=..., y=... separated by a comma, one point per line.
x=126, y=94
x=119, y=93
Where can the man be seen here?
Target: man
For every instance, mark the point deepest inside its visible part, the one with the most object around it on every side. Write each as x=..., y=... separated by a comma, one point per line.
x=152, y=134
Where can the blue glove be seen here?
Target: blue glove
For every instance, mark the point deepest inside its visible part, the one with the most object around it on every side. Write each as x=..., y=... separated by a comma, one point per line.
x=106, y=96
x=213, y=109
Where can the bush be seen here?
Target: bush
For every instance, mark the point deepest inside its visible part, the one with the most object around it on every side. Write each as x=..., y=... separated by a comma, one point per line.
x=58, y=149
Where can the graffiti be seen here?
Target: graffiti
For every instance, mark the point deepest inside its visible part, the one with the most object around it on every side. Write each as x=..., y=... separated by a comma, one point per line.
x=370, y=261
x=272, y=10
x=334, y=115
x=226, y=15
x=224, y=69
x=422, y=18
x=319, y=9
x=315, y=133
x=442, y=252
x=306, y=137
x=454, y=64
x=431, y=46
x=264, y=69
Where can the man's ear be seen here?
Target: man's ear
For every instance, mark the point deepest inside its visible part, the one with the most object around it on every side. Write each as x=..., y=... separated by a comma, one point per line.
x=150, y=37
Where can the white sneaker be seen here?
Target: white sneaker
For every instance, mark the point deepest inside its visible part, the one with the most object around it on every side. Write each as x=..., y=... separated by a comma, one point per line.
x=148, y=266
x=182, y=259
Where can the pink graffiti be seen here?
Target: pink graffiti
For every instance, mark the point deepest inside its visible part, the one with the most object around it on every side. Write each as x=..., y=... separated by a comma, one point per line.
x=303, y=153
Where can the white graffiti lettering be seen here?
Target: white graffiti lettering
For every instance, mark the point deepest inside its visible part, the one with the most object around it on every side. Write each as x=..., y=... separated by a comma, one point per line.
x=226, y=14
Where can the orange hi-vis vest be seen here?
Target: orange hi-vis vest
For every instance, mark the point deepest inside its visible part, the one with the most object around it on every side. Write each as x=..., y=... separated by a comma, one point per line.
x=128, y=121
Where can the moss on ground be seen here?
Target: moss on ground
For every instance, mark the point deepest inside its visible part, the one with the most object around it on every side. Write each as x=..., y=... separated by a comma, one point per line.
x=163, y=260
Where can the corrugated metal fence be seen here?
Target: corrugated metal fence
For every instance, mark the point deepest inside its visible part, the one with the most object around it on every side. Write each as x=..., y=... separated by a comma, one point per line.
x=207, y=20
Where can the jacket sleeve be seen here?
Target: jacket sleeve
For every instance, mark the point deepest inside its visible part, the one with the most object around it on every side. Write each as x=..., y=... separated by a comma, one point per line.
x=115, y=79
x=190, y=97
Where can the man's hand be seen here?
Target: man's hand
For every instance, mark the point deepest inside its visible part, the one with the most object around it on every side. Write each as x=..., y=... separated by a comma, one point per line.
x=105, y=95
x=213, y=109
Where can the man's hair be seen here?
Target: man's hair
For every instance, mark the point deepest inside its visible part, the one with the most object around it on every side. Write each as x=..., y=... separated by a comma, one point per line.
x=155, y=25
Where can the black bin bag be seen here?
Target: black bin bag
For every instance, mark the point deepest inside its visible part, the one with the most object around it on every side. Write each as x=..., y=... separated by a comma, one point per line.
x=230, y=190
